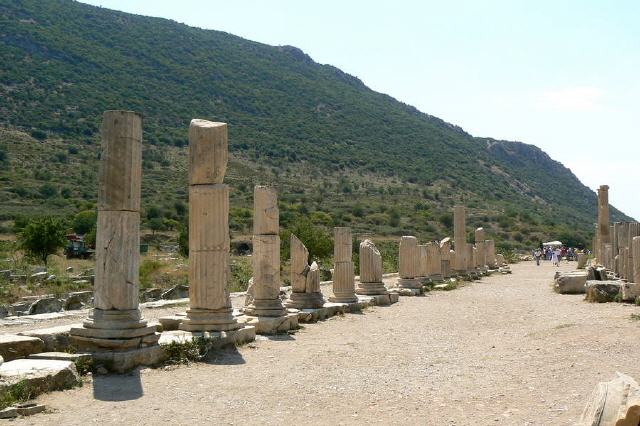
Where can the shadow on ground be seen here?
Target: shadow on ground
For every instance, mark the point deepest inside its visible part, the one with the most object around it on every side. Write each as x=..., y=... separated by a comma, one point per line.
x=118, y=387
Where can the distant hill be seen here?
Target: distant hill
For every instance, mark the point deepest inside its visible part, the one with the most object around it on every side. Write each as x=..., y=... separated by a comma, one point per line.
x=339, y=152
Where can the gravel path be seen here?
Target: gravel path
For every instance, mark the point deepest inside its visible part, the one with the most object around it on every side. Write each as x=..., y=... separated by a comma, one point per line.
x=506, y=350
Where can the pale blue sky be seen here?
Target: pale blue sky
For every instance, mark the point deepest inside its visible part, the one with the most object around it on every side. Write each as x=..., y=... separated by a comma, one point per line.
x=562, y=75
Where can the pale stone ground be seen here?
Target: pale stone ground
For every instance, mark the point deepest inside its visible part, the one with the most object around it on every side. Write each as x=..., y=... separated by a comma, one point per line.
x=506, y=350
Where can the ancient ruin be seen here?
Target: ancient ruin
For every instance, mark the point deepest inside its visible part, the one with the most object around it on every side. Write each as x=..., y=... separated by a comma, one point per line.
x=409, y=264
x=343, y=272
x=305, y=279
x=115, y=331
x=460, y=240
x=370, y=283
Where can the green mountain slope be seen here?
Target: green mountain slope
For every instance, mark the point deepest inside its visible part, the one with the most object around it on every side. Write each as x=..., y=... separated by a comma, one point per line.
x=339, y=152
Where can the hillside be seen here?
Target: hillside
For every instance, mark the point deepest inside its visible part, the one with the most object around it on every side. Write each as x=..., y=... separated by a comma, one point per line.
x=340, y=153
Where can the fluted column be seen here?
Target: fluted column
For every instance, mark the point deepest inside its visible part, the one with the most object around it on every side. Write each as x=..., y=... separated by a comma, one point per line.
x=460, y=239
x=343, y=269
x=115, y=323
x=636, y=259
x=423, y=270
x=209, y=269
x=435, y=261
x=480, y=246
x=409, y=263
x=305, y=279
x=490, y=248
x=370, y=283
x=445, y=259
x=266, y=255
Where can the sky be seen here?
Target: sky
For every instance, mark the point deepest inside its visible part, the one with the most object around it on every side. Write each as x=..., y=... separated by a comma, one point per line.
x=560, y=74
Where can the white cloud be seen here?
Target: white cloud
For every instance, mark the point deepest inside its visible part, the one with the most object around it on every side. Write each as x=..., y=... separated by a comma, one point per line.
x=581, y=98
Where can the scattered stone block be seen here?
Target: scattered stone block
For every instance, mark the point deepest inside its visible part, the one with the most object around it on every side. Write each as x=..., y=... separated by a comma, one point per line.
x=179, y=291
x=39, y=276
x=62, y=356
x=171, y=322
x=217, y=339
x=571, y=282
x=602, y=291
x=406, y=291
x=152, y=294
x=121, y=361
x=9, y=413
x=630, y=291
x=13, y=346
x=56, y=339
x=45, y=306
x=271, y=325
x=39, y=375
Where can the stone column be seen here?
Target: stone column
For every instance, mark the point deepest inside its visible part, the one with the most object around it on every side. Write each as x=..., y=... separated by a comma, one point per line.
x=490, y=248
x=480, y=246
x=305, y=279
x=209, y=269
x=470, y=257
x=409, y=263
x=370, y=270
x=636, y=260
x=603, y=220
x=115, y=325
x=460, y=239
x=424, y=265
x=266, y=255
x=343, y=270
x=445, y=259
x=435, y=261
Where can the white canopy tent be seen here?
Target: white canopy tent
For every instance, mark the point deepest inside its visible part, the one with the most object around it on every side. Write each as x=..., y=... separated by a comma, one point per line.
x=553, y=244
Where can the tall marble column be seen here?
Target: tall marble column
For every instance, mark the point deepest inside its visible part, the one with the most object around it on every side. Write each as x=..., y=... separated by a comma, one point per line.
x=116, y=324
x=266, y=255
x=603, y=220
x=343, y=269
x=445, y=259
x=409, y=263
x=305, y=279
x=209, y=269
x=490, y=250
x=460, y=239
x=370, y=270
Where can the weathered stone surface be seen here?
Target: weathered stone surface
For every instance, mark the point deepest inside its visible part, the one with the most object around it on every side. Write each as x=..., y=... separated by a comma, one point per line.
x=370, y=270
x=616, y=402
x=343, y=244
x=122, y=361
x=479, y=237
x=271, y=325
x=45, y=305
x=13, y=346
x=630, y=291
x=39, y=375
x=55, y=338
x=434, y=262
x=217, y=339
x=602, y=291
x=423, y=262
x=152, y=294
x=635, y=251
x=305, y=279
x=179, y=291
x=266, y=216
x=582, y=260
x=343, y=283
x=77, y=300
x=208, y=152
x=209, y=218
x=62, y=356
x=500, y=260
x=9, y=413
x=571, y=283
x=490, y=248
x=30, y=408
x=409, y=257
x=171, y=322
x=602, y=233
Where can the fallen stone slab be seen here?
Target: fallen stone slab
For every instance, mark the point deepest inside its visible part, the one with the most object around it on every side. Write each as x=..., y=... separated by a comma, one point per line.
x=271, y=325
x=164, y=303
x=328, y=310
x=630, y=292
x=9, y=413
x=171, y=322
x=602, y=291
x=407, y=291
x=56, y=339
x=13, y=346
x=38, y=375
x=216, y=339
x=616, y=402
x=30, y=408
x=45, y=306
x=571, y=282
x=62, y=356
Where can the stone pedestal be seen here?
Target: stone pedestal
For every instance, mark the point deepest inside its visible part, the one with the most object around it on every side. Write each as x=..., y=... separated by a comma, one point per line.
x=115, y=325
x=209, y=270
x=343, y=272
x=305, y=279
x=370, y=270
x=460, y=240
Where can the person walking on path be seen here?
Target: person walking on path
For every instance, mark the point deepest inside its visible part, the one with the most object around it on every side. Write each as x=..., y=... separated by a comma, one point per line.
x=555, y=257
x=537, y=254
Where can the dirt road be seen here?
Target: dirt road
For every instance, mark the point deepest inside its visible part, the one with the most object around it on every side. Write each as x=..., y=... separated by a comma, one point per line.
x=506, y=350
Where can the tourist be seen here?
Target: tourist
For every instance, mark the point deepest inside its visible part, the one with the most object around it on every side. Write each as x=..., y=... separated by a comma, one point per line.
x=555, y=257
x=537, y=254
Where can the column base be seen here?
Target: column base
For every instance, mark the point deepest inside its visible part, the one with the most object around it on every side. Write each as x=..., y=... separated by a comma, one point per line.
x=305, y=300
x=344, y=298
x=410, y=283
x=371, y=289
x=265, y=308
x=209, y=320
x=217, y=339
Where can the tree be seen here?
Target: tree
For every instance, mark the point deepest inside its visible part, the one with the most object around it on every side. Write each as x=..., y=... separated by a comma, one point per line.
x=84, y=221
x=317, y=240
x=42, y=237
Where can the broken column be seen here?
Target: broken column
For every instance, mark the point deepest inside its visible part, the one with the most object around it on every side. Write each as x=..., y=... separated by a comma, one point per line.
x=445, y=259
x=479, y=237
x=305, y=279
x=460, y=240
x=209, y=269
x=343, y=270
x=435, y=262
x=115, y=331
x=266, y=255
x=490, y=252
x=636, y=260
x=603, y=221
x=423, y=269
x=370, y=270
x=409, y=263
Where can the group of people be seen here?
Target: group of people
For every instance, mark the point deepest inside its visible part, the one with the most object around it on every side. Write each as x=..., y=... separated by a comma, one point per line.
x=555, y=254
